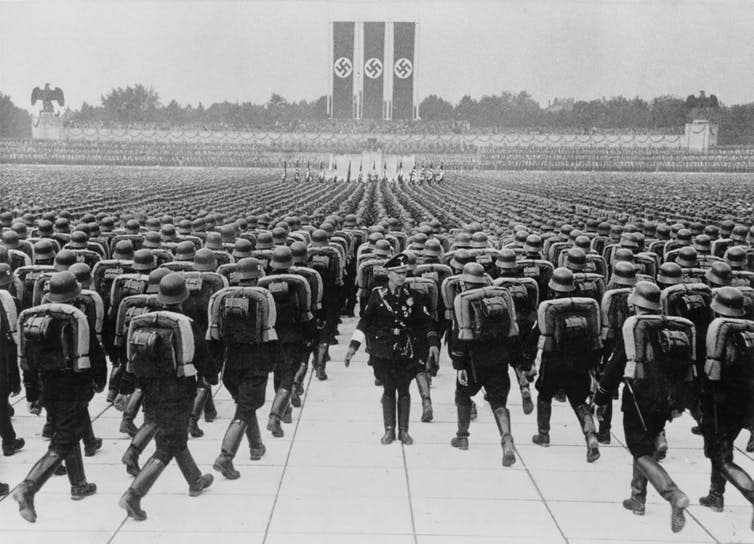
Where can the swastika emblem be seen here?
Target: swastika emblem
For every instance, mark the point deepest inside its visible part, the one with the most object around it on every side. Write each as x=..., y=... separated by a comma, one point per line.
x=373, y=68
x=403, y=68
x=343, y=67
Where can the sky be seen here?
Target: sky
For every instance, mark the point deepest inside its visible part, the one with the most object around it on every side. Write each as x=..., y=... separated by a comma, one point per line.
x=199, y=51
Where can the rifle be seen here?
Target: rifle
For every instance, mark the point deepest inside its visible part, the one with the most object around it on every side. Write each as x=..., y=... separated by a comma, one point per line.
x=636, y=405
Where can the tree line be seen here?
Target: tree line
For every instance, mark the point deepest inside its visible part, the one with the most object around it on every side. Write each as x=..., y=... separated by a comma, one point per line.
x=138, y=104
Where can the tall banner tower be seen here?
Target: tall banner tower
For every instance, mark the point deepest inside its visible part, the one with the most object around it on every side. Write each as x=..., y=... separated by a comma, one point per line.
x=372, y=70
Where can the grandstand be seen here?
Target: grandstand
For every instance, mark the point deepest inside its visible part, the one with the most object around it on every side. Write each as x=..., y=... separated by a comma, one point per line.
x=314, y=152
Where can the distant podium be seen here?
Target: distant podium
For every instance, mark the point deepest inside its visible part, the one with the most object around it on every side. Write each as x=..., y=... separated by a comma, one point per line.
x=47, y=126
x=701, y=134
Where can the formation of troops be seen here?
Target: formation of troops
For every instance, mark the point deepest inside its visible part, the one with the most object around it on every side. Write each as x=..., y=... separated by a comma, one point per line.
x=154, y=311
x=424, y=175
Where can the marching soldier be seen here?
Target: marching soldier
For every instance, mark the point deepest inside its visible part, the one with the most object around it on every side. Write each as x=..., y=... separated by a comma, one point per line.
x=295, y=327
x=327, y=261
x=614, y=311
x=568, y=348
x=203, y=281
x=391, y=324
x=242, y=322
x=10, y=379
x=482, y=344
x=166, y=370
x=64, y=365
x=726, y=395
x=654, y=356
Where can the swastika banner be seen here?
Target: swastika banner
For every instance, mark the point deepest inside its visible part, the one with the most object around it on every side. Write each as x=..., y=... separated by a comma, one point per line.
x=374, y=70
x=403, y=70
x=343, y=70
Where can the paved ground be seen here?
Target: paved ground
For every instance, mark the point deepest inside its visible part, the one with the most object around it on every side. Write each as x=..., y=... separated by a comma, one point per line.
x=330, y=480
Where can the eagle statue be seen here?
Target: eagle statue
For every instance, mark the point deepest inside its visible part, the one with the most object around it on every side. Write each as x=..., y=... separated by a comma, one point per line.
x=48, y=96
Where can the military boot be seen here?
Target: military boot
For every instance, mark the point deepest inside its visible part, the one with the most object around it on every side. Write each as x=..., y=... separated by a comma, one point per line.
x=116, y=375
x=544, y=412
x=321, y=360
x=422, y=382
x=666, y=487
x=80, y=488
x=741, y=481
x=404, y=411
x=140, y=440
x=638, y=498
x=388, y=419
x=461, y=439
x=197, y=481
x=48, y=428
x=256, y=447
x=92, y=444
x=298, y=383
x=210, y=410
x=714, y=499
x=287, y=414
x=661, y=446
x=10, y=447
x=129, y=413
x=201, y=398
x=587, y=424
x=231, y=442
x=276, y=413
x=503, y=420
x=38, y=475
x=603, y=432
x=131, y=499
x=523, y=385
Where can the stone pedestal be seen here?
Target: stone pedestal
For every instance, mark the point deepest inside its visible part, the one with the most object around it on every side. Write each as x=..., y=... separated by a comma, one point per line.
x=701, y=135
x=47, y=126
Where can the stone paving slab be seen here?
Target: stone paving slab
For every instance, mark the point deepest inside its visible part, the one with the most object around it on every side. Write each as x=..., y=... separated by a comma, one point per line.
x=329, y=480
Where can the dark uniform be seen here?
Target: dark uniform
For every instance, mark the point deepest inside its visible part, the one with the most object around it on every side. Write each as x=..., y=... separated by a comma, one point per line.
x=246, y=370
x=65, y=394
x=649, y=399
x=296, y=335
x=394, y=324
x=10, y=378
x=726, y=397
x=484, y=363
x=567, y=370
x=168, y=400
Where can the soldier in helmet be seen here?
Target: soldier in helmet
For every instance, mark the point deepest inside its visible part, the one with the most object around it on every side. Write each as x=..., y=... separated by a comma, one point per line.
x=506, y=264
x=726, y=399
x=168, y=397
x=391, y=324
x=669, y=274
x=568, y=348
x=62, y=376
x=247, y=364
x=481, y=360
x=718, y=275
x=614, y=313
x=10, y=379
x=296, y=331
x=650, y=395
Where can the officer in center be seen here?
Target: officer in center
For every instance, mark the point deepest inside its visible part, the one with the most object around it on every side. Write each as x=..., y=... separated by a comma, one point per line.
x=395, y=325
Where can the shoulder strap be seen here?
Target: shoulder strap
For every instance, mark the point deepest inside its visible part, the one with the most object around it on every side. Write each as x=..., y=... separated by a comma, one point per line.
x=9, y=308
